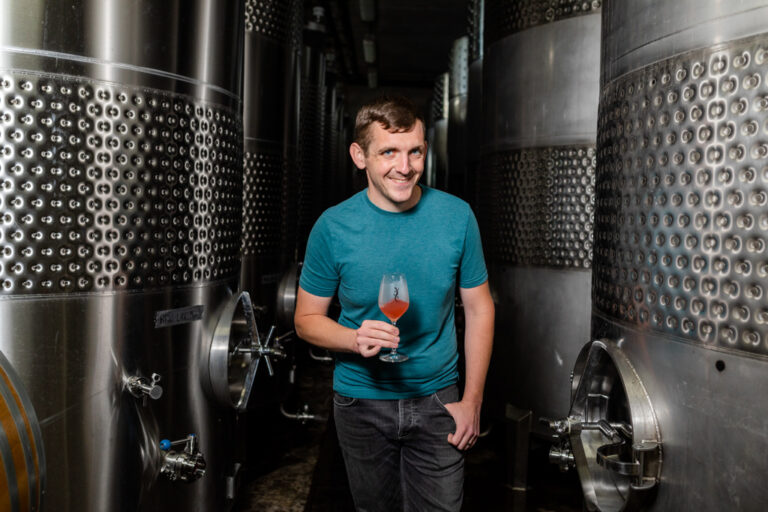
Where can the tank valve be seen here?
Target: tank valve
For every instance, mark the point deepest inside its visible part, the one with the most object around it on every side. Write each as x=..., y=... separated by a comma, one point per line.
x=141, y=387
x=187, y=465
x=562, y=455
x=261, y=349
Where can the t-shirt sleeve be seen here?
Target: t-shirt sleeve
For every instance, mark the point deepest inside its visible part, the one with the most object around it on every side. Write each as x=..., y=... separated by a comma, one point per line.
x=472, y=271
x=319, y=275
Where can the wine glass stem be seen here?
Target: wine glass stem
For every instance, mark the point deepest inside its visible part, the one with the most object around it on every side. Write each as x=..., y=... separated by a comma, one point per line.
x=394, y=350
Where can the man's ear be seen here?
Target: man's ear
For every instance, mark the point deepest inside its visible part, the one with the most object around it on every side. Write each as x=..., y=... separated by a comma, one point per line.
x=357, y=154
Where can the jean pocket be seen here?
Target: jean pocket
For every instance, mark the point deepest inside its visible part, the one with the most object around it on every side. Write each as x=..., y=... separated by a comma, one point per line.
x=447, y=395
x=343, y=401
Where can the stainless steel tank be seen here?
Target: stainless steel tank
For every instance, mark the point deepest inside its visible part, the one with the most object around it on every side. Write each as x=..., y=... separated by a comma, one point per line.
x=458, y=88
x=540, y=92
x=120, y=191
x=680, y=269
x=476, y=15
x=437, y=149
x=312, y=131
x=269, y=131
x=270, y=126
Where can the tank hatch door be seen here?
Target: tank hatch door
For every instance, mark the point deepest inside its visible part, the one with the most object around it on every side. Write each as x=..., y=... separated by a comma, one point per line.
x=611, y=434
x=235, y=353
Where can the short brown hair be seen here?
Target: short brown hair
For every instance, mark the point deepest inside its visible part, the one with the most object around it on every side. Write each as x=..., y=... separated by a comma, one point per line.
x=394, y=113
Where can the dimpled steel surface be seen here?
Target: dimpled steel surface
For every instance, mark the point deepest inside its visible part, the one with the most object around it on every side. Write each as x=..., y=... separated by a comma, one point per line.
x=262, y=203
x=270, y=18
x=106, y=187
x=475, y=21
x=440, y=98
x=458, y=66
x=505, y=17
x=681, y=216
x=313, y=136
x=544, y=206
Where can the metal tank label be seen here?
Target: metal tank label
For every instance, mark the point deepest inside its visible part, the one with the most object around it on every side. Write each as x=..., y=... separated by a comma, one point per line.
x=178, y=316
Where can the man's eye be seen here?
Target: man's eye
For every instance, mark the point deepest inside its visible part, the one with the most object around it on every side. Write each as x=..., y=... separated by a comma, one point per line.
x=416, y=152
x=388, y=152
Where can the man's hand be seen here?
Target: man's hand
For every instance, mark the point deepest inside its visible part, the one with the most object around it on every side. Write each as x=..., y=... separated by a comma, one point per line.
x=373, y=335
x=467, y=417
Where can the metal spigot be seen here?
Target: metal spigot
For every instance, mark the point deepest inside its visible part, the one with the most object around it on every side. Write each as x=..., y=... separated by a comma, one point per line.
x=325, y=358
x=303, y=416
x=187, y=465
x=141, y=387
x=261, y=349
x=562, y=455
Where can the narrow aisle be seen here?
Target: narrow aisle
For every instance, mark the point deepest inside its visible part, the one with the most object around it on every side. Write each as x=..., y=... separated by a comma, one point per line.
x=283, y=465
x=309, y=474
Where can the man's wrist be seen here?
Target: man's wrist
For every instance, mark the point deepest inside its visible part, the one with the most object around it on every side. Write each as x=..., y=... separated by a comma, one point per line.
x=473, y=398
x=352, y=344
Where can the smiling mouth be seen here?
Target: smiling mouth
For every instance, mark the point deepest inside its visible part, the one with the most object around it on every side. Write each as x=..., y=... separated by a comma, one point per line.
x=404, y=179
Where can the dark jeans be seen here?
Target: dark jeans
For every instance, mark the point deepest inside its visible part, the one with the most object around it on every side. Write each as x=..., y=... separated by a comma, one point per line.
x=397, y=454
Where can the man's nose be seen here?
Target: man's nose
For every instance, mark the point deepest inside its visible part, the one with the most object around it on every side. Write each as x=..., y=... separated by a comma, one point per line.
x=403, y=164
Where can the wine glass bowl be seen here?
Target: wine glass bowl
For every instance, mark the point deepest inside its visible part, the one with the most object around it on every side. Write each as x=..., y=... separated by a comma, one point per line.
x=393, y=302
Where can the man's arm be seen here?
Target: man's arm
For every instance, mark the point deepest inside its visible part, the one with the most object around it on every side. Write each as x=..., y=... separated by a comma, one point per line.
x=313, y=325
x=478, y=342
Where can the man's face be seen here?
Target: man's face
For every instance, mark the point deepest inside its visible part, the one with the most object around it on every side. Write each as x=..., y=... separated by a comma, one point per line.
x=393, y=163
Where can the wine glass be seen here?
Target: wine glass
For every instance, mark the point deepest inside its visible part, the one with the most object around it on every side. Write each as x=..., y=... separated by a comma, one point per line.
x=393, y=302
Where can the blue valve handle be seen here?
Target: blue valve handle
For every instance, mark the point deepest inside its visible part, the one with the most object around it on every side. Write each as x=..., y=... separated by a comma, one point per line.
x=166, y=445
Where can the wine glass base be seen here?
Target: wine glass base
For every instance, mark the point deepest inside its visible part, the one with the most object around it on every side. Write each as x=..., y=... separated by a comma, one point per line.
x=393, y=357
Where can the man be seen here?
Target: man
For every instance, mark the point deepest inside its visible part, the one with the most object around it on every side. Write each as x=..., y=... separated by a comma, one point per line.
x=401, y=426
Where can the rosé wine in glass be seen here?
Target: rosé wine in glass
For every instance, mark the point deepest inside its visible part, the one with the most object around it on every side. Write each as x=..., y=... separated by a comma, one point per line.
x=393, y=302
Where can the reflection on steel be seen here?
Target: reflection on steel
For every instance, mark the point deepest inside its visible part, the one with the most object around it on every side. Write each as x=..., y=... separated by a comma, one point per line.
x=540, y=90
x=286, y=295
x=121, y=194
x=22, y=454
x=679, y=262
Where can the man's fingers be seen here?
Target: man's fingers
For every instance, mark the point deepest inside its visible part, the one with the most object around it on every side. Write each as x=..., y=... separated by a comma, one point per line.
x=462, y=439
x=369, y=341
x=378, y=325
x=370, y=350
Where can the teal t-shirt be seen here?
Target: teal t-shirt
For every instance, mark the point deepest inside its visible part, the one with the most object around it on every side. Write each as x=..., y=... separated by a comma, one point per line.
x=436, y=244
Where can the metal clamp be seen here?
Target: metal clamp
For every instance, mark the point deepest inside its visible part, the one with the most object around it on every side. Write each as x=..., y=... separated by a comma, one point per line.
x=187, y=465
x=141, y=387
